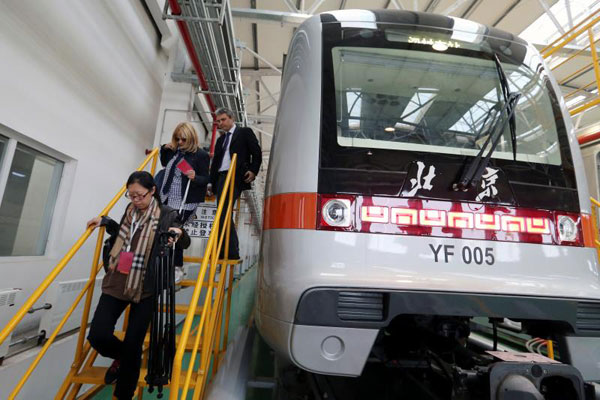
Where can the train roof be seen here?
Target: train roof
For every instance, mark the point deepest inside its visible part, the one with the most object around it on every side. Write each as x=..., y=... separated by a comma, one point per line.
x=416, y=18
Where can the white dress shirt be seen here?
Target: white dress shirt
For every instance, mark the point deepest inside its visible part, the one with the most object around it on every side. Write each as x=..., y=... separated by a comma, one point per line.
x=226, y=156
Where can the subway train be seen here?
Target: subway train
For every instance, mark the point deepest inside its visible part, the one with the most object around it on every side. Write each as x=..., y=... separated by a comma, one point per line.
x=424, y=171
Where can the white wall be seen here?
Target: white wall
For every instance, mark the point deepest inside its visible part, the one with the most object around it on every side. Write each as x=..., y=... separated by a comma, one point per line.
x=85, y=80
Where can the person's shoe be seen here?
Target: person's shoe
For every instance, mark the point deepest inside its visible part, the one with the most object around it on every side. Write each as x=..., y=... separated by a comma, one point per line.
x=112, y=373
x=179, y=274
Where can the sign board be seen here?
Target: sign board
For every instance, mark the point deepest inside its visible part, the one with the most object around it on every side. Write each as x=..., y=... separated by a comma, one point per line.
x=202, y=225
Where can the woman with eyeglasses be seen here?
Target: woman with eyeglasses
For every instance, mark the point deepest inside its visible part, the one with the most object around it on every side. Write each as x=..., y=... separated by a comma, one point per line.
x=130, y=279
x=185, y=177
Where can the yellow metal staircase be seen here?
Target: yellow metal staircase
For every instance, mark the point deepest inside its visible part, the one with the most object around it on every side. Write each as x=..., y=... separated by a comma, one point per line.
x=206, y=319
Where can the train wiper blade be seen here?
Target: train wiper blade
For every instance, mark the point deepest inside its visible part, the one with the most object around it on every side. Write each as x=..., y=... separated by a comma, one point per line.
x=472, y=174
x=506, y=93
x=476, y=168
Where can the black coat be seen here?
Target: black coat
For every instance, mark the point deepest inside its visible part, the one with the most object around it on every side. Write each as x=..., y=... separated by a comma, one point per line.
x=168, y=219
x=249, y=156
x=199, y=162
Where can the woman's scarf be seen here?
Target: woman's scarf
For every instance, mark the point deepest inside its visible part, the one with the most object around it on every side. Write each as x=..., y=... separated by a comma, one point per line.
x=148, y=223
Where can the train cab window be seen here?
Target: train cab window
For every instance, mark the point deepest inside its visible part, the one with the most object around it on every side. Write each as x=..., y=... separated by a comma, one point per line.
x=28, y=197
x=394, y=94
x=400, y=99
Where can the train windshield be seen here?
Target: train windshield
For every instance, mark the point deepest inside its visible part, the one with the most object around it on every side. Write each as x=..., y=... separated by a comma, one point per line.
x=439, y=102
x=396, y=96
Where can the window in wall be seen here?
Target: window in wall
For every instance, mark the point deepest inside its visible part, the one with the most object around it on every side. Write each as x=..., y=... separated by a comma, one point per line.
x=28, y=199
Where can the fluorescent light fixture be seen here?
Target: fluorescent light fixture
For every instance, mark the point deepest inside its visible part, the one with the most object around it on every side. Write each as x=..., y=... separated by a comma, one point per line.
x=390, y=129
x=440, y=46
x=18, y=174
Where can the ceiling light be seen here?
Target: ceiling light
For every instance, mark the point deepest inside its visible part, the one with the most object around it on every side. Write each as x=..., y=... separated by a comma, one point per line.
x=440, y=46
x=390, y=129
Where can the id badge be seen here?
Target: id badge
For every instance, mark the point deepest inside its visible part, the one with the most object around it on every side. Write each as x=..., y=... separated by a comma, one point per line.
x=125, y=262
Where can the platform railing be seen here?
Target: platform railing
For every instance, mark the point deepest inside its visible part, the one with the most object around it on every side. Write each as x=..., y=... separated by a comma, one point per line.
x=582, y=39
x=88, y=289
x=209, y=341
x=595, y=206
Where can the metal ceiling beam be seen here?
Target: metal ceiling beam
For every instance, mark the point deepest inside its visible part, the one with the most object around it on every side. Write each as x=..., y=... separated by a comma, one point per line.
x=315, y=6
x=454, y=7
x=279, y=17
x=432, y=5
x=474, y=4
x=551, y=16
x=398, y=5
x=251, y=72
x=508, y=10
x=569, y=15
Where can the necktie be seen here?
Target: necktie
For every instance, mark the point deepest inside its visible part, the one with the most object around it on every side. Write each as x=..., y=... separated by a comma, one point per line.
x=171, y=172
x=226, y=141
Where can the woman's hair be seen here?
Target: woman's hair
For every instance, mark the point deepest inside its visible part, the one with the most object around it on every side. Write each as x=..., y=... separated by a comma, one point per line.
x=144, y=179
x=185, y=130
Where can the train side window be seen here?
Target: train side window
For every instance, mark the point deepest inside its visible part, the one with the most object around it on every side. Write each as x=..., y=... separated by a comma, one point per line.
x=29, y=182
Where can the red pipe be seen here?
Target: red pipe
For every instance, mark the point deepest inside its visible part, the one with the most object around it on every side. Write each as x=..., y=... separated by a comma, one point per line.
x=590, y=137
x=185, y=34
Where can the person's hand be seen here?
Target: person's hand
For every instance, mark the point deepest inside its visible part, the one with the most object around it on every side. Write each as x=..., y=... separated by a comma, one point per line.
x=93, y=223
x=169, y=146
x=209, y=191
x=249, y=176
x=191, y=174
x=178, y=231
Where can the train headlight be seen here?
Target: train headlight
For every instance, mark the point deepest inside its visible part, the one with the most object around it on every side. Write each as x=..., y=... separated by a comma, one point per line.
x=336, y=212
x=567, y=228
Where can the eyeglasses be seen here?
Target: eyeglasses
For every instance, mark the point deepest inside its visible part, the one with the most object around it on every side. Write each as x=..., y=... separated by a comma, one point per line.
x=180, y=139
x=136, y=196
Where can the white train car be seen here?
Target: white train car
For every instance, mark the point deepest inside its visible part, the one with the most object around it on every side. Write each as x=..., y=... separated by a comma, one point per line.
x=424, y=171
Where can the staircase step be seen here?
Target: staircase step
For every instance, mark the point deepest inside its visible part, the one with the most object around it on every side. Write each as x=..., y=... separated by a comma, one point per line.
x=189, y=346
x=183, y=309
x=220, y=261
x=95, y=376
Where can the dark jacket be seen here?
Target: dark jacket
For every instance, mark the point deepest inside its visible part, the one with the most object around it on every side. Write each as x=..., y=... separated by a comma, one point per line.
x=168, y=219
x=249, y=156
x=199, y=162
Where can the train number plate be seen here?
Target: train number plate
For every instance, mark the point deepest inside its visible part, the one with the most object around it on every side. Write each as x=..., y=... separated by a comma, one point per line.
x=469, y=254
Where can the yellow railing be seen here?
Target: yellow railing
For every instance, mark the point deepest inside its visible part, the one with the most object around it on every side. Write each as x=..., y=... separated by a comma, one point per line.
x=89, y=288
x=595, y=205
x=576, y=68
x=208, y=331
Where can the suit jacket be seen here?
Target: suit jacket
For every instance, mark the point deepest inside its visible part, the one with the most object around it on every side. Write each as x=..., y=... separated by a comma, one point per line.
x=249, y=156
x=199, y=162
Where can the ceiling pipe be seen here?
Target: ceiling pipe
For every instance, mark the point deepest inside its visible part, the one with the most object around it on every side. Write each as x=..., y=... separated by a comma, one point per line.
x=590, y=137
x=187, y=40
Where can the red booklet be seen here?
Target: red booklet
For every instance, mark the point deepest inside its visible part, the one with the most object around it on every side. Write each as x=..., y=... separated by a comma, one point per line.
x=184, y=166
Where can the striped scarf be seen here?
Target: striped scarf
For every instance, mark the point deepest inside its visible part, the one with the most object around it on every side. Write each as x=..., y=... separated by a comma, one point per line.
x=148, y=223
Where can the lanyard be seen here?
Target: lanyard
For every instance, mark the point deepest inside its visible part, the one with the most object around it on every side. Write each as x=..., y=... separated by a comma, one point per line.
x=132, y=231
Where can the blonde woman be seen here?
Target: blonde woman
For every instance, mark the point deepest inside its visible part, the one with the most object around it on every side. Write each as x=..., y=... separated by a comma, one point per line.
x=185, y=178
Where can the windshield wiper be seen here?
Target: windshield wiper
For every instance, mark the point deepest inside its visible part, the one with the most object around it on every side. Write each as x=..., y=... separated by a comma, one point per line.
x=472, y=174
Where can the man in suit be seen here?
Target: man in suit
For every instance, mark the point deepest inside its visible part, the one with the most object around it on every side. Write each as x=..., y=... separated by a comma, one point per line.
x=235, y=140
